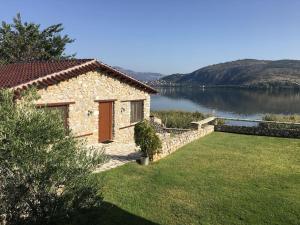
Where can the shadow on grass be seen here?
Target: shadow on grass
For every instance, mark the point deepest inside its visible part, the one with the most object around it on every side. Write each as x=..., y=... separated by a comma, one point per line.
x=108, y=214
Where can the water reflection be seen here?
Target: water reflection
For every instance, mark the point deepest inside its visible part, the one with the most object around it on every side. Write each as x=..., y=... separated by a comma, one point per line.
x=244, y=103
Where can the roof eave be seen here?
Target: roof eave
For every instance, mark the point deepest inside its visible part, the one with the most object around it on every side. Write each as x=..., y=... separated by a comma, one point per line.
x=54, y=78
x=146, y=87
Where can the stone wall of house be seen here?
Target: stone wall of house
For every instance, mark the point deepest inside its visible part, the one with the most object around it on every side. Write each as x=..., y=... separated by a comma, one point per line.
x=84, y=91
x=262, y=130
x=171, y=142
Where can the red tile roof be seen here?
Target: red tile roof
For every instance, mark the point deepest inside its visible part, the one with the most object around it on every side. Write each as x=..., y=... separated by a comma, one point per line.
x=42, y=74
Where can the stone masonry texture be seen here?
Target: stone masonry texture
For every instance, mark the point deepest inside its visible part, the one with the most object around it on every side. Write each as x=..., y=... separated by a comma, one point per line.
x=85, y=90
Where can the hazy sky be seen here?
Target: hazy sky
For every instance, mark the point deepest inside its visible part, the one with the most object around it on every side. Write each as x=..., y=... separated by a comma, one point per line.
x=169, y=36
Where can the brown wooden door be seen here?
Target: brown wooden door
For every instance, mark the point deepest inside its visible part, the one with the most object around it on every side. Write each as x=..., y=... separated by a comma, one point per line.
x=105, y=121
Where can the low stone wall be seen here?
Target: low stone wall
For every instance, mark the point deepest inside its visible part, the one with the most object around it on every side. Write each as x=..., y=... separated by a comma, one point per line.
x=171, y=142
x=259, y=130
x=176, y=130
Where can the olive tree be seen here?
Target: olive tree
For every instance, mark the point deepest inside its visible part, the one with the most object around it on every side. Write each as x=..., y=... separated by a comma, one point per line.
x=44, y=173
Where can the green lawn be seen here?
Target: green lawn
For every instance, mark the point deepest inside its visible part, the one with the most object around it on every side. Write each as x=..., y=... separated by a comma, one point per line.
x=219, y=179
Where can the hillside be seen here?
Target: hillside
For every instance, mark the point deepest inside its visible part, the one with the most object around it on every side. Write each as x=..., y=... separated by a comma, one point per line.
x=142, y=76
x=242, y=73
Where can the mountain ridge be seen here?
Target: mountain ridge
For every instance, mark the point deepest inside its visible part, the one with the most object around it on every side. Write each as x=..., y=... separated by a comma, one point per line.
x=142, y=76
x=240, y=73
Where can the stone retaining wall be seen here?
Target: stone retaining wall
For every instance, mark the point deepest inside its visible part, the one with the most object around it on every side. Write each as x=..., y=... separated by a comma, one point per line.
x=259, y=130
x=171, y=142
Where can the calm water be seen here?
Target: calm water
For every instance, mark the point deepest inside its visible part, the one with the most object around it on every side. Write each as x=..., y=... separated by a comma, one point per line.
x=238, y=103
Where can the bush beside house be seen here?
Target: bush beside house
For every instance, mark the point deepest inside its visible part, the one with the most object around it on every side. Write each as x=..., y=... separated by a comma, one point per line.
x=146, y=138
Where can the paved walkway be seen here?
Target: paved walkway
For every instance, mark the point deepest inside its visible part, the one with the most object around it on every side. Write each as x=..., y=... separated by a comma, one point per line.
x=118, y=154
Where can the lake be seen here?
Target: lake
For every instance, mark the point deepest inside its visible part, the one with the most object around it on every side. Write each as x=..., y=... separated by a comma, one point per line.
x=226, y=102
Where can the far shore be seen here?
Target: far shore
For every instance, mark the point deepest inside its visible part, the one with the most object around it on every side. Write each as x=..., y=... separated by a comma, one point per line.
x=224, y=86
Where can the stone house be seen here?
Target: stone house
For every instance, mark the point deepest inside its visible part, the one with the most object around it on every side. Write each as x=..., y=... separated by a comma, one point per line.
x=96, y=101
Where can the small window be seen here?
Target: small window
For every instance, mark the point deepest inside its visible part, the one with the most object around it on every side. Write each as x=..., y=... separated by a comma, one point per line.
x=63, y=111
x=137, y=111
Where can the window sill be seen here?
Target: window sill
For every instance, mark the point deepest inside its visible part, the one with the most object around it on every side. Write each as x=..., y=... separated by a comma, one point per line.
x=131, y=125
x=83, y=135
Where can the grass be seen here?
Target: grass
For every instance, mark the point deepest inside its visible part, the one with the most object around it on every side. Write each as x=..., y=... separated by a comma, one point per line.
x=178, y=119
x=219, y=179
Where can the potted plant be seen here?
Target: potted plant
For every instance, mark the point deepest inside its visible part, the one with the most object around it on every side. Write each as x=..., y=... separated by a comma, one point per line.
x=146, y=138
x=144, y=160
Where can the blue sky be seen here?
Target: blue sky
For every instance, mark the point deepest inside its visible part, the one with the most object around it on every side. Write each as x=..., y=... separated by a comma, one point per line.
x=169, y=36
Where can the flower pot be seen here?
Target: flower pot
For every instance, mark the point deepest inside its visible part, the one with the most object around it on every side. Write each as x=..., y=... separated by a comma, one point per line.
x=144, y=160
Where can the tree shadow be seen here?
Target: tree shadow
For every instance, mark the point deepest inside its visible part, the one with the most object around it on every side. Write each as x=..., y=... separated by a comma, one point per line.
x=108, y=214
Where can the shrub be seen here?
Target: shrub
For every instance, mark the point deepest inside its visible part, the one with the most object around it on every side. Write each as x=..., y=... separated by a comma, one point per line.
x=44, y=174
x=178, y=119
x=220, y=122
x=146, y=138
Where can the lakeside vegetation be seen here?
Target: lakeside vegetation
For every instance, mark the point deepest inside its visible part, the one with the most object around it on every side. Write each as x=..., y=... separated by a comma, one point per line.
x=219, y=179
x=178, y=119
x=282, y=118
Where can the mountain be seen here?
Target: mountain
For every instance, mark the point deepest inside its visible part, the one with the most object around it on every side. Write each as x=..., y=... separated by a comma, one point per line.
x=142, y=76
x=241, y=73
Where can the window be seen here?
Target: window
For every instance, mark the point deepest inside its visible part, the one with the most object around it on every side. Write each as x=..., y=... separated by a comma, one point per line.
x=137, y=111
x=62, y=110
